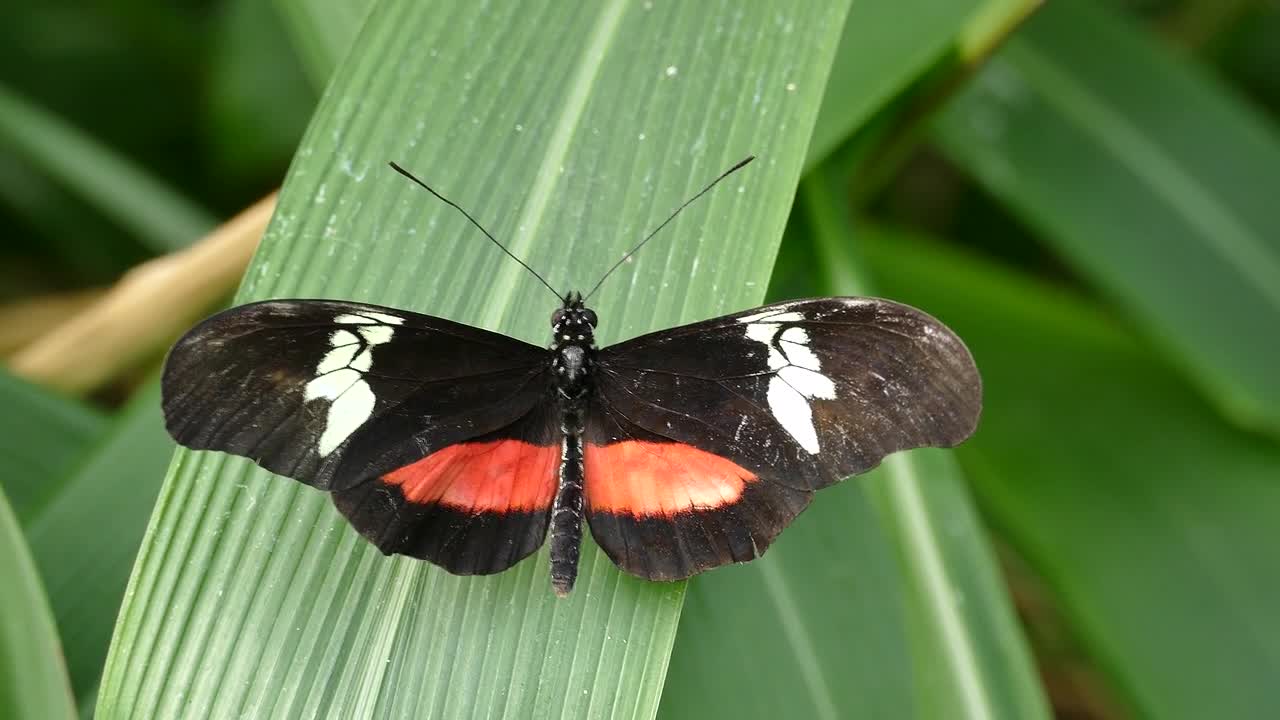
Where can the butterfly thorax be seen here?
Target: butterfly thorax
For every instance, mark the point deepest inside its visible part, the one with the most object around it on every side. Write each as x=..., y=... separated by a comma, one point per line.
x=573, y=351
x=573, y=354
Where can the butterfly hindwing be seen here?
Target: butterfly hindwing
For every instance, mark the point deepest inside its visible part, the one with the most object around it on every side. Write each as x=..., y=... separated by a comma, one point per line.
x=664, y=509
x=732, y=423
x=474, y=508
x=335, y=393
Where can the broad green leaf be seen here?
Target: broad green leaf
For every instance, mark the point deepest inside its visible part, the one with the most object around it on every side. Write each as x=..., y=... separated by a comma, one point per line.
x=42, y=435
x=33, y=678
x=85, y=536
x=878, y=56
x=569, y=132
x=1152, y=519
x=1148, y=177
x=817, y=628
x=883, y=599
x=160, y=218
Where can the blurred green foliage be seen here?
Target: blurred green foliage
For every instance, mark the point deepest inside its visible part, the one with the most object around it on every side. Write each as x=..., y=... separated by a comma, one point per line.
x=1091, y=208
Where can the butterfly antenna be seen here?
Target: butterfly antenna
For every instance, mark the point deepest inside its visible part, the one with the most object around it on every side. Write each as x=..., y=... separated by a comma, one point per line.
x=741, y=164
x=467, y=215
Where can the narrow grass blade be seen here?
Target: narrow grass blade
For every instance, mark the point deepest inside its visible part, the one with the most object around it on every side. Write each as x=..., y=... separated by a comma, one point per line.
x=42, y=436
x=1150, y=179
x=85, y=537
x=158, y=216
x=33, y=678
x=569, y=132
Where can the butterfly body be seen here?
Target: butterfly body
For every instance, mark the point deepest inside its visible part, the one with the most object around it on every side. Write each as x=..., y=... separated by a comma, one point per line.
x=573, y=347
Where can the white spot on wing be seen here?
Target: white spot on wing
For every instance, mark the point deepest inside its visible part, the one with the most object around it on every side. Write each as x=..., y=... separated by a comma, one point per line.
x=801, y=355
x=808, y=383
x=793, y=413
x=796, y=335
x=337, y=358
x=376, y=334
x=368, y=318
x=761, y=332
x=342, y=337
x=798, y=378
x=347, y=413
x=331, y=386
x=364, y=361
x=340, y=375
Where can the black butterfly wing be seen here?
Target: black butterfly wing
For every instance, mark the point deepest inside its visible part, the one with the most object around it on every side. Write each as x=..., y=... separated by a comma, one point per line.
x=390, y=410
x=706, y=440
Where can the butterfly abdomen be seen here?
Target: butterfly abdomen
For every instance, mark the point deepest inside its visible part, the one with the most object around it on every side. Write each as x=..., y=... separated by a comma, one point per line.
x=566, y=516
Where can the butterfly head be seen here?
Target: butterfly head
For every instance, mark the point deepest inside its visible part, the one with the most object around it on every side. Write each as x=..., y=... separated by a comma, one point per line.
x=574, y=317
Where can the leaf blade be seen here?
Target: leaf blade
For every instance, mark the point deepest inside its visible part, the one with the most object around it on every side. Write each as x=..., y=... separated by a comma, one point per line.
x=33, y=678
x=41, y=436
x=1079, y=89
x=159, y=216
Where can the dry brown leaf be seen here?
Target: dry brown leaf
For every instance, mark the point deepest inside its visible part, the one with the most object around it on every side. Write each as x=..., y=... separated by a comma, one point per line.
x=145, y=310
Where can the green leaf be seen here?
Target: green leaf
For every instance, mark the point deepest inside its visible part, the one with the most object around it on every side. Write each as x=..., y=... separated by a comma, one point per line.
x=85, y=537
x=569, y=132
x=254, y=118
x=773, y=638
x=322, y=31
x=879, y=56
x=159, y=217
x=1150, y=179
x=42, y=435
x=33, y=679
x=1152, y=520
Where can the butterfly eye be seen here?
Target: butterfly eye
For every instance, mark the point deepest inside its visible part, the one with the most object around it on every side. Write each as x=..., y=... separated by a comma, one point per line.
x=590, y=316
x=556, y=317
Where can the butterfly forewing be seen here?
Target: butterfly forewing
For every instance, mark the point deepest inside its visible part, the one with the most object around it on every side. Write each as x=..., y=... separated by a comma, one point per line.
x=335, y=393
x=733, y=422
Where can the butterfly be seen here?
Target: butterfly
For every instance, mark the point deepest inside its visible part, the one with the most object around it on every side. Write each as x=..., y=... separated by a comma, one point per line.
x=682, y=450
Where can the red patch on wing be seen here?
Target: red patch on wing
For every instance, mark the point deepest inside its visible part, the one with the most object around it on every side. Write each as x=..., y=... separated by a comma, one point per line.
x=496, y=476
x=641, y=478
